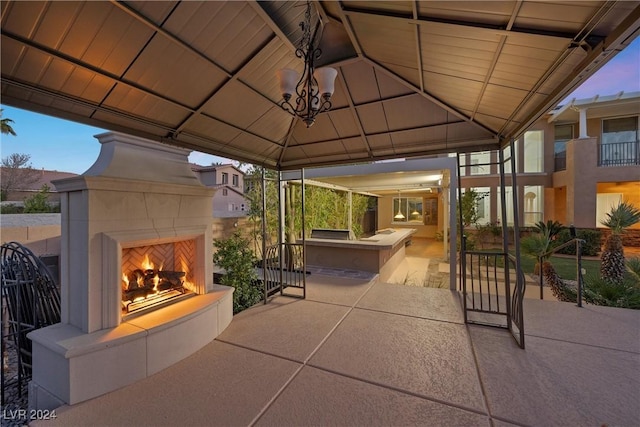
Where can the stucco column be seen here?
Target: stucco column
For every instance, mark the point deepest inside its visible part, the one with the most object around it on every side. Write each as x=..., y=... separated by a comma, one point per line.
x=583, y=123
x=582, y=161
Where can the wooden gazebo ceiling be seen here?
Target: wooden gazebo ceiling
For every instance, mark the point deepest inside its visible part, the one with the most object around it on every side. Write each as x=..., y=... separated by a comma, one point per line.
x=415, y=78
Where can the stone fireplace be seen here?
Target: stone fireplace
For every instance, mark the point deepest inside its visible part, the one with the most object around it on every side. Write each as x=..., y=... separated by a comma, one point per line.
x=136, y=274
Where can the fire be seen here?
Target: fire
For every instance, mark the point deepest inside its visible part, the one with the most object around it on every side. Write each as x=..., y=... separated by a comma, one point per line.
x=147, y=264
x=149, y=286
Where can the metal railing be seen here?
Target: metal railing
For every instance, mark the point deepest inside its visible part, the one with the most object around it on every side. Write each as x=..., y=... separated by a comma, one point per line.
x=560, y=161
x=486, y=273
x=579, y=279
x=283, y=269
x=619, y=154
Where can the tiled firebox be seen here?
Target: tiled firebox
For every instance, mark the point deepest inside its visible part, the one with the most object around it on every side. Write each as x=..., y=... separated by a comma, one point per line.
x=138, y=195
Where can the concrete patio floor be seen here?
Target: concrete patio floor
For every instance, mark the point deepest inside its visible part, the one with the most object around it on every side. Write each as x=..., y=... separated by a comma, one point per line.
x=361, y=353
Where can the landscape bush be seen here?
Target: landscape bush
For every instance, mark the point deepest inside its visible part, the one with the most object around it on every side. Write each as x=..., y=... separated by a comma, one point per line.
x=590, y=247
x=235, y=257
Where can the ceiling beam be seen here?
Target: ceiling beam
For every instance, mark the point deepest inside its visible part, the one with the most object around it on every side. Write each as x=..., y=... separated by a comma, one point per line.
x=414, y=6
x=354, y=112
x=491, y=28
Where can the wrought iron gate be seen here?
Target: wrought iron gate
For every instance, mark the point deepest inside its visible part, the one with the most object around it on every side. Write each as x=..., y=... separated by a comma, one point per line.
x=284, y=264
x=492, y=282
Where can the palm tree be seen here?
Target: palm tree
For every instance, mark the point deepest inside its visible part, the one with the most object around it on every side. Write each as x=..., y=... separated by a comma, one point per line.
x=621, y=217
x=538, y=245
x=6, y=126
x=552, y=227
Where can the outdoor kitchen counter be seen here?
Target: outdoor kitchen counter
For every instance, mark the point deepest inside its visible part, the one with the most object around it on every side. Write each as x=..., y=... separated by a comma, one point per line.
x=380, y=253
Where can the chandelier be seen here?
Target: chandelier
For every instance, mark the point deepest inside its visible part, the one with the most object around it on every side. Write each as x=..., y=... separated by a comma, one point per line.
x=314, y=87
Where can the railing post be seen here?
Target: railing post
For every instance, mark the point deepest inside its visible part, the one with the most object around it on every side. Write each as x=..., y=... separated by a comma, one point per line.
x=579, y=270
x=541, y=277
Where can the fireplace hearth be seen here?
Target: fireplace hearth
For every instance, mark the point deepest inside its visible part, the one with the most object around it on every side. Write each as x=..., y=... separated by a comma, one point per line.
x=136, y=273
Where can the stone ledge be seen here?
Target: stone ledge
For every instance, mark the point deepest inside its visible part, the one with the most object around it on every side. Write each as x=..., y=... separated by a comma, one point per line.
x=70, y=366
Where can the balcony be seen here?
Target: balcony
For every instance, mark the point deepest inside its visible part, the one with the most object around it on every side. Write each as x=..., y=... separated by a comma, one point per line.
x=619, y=154
x=560, y=161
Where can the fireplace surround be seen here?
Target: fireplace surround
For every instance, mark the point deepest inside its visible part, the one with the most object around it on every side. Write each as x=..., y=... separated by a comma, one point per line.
x=139, y=195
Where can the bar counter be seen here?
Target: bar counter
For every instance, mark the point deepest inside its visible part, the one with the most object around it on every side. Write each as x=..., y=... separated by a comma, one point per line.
x=380, y=253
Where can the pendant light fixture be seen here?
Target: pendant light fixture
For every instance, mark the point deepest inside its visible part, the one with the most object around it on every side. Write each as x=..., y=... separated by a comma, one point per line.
x=315, y=87
x=399, y=215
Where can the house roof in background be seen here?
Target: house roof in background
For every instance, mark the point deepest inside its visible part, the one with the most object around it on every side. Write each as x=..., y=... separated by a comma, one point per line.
x=45, y=177
x=415, y=78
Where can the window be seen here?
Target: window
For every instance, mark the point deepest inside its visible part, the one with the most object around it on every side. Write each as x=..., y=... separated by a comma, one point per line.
x=604, y=203
x=225, y=191
x=508, y=197
x=533, y=204
x=480, y=163
x=407, y=210
x=225, y=178
x=483, y=205
x=620, y=130
x=533, y=151
x=508, y=157
x=563, y=133
x=619, y=145
x=236, y=180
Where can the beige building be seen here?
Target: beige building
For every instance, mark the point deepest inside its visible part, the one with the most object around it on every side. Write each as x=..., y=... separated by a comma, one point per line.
x=229, y=200
x=572, y=166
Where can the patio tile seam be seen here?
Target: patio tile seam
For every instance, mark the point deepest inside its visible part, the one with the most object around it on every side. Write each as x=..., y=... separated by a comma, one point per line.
x=581, y=343
x=304, y=363
x=483, y=390
x=412, y=316
x=401, y=390
x=260, y=351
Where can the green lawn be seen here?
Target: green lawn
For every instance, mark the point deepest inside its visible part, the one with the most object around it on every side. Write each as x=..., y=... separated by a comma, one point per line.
x=565, y=266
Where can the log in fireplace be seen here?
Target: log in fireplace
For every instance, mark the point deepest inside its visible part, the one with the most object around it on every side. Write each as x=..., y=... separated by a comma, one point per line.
x=136, y=273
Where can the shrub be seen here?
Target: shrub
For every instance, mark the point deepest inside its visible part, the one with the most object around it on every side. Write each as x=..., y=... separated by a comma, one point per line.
x=600, y=291
x=234, y=255
x=11, y=209
x=590, y=247
x=39, y=202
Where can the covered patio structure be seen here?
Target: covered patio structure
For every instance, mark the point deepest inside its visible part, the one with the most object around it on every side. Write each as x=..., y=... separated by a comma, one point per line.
x=415, y=79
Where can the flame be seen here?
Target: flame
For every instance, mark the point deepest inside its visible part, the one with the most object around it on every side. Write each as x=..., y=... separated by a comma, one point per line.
x=156, y=280
x=125, y=280
x=146, y=263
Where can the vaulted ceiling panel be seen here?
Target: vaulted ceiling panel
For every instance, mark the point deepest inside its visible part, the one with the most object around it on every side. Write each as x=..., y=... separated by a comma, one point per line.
x=395, y=41
x=373, y=118
x=362, y=83
x=494, y=12
x=206, y=126
x=260, y=71
x=140, y=104
x=185, y=78
x=226, y=32
x=414, y=77
x=344, y=122
x=155, y=11
x=236, y=104
x=412, y=112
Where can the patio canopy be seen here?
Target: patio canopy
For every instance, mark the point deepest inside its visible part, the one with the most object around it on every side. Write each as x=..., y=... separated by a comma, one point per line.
x=415, y=78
